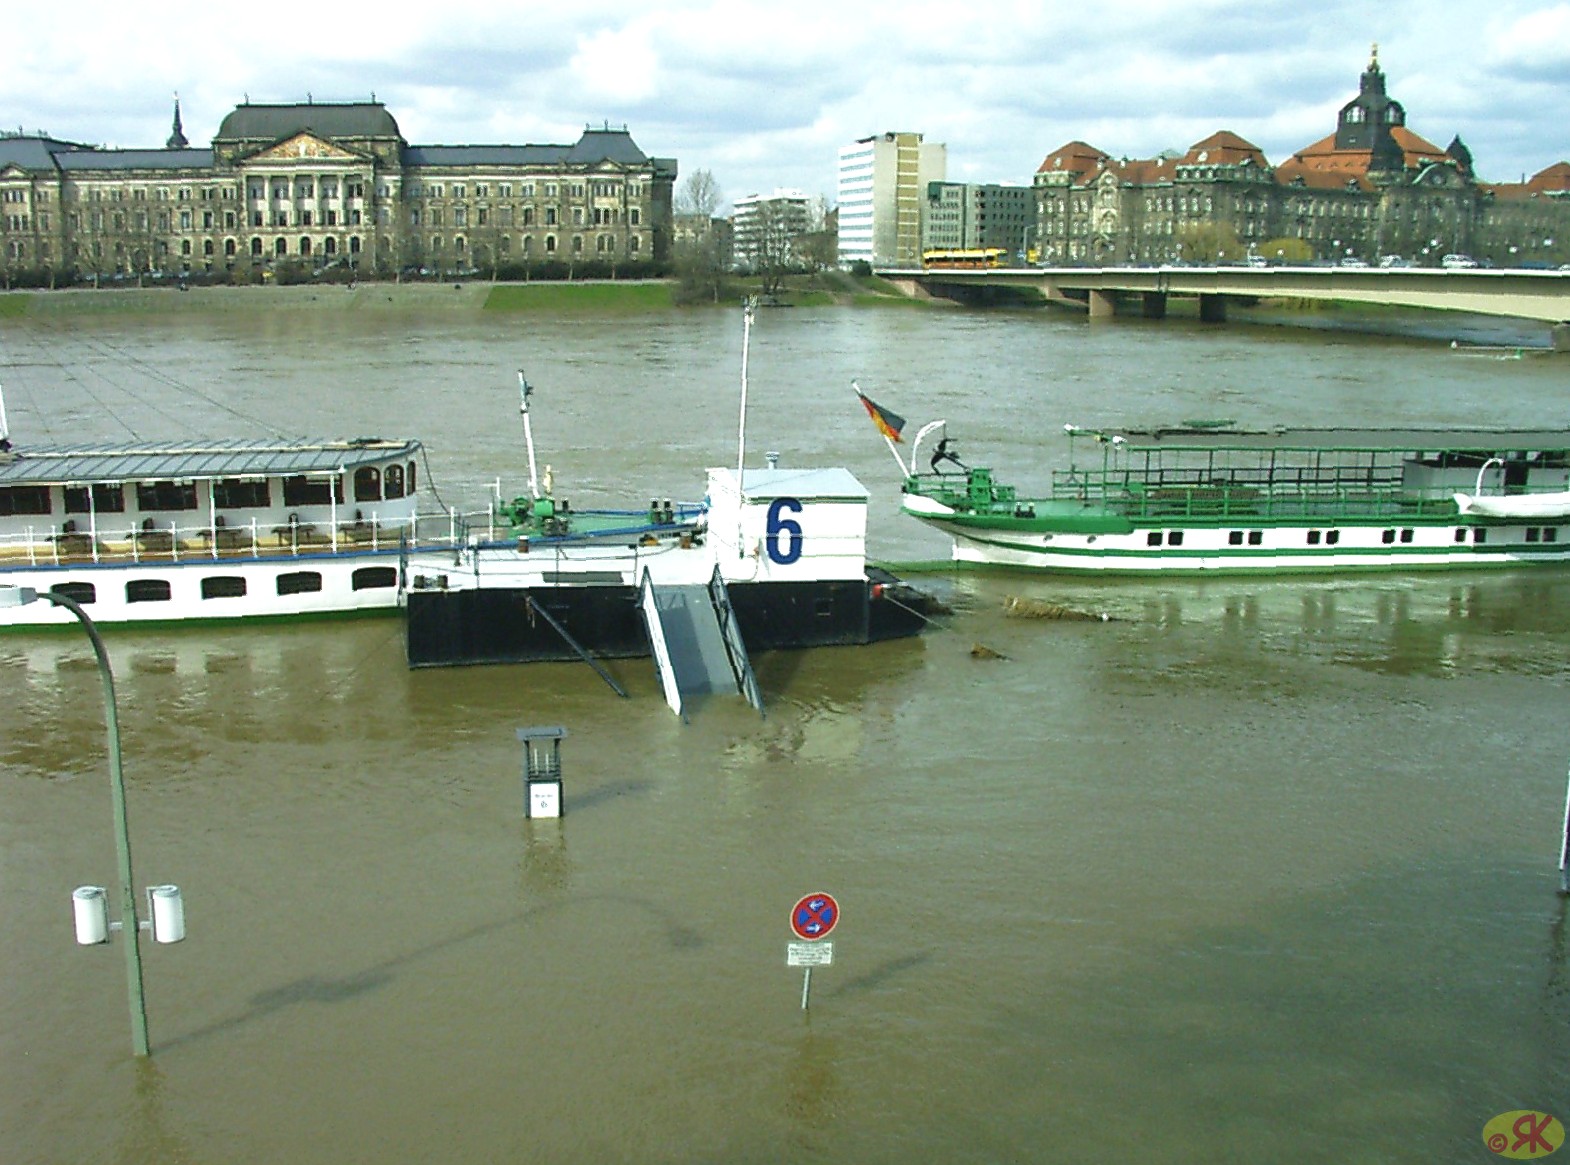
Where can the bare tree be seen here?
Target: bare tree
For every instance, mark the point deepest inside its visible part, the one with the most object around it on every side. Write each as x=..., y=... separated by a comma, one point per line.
x=700, y=195
x=774, y=255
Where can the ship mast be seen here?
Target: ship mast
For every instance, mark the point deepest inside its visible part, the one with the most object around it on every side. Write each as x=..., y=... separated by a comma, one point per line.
x=525, y=390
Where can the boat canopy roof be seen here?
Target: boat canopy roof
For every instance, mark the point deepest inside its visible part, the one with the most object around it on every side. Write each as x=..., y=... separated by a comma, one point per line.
x=1407, y=440
x=199, y=460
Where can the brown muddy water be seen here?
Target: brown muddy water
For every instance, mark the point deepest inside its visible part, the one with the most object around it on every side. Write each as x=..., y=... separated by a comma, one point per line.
x=1255, y=870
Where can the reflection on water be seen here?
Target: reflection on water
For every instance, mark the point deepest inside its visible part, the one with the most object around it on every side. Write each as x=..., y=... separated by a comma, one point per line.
x=1264, y=867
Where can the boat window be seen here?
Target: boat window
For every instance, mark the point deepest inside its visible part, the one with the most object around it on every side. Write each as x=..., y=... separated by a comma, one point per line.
x=152, y=496
x=1313, y=537
x=1460, y=533
x=303, y=491
x=1256, y=537
x=392, y=486
x=299, y=582
x=1479, y=534
x=1175, y=538
x=147, y=590
x=1235, y=537
x=1332, y=537
x=1387, y=536
x=26, y=499
x=1406, y=534
x=1550, y=533
x=231, y=493
x=82, y=592
x=1533, y=533
x=409, y=479
x=1153, y=538
x=369, y=578
x=107, y=499
x=367, y=484
x=223, y=586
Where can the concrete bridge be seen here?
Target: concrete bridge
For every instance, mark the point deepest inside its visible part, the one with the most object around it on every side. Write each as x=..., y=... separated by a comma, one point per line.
x=1532, y=295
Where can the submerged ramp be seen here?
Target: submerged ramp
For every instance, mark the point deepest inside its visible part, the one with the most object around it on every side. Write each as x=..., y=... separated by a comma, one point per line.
x=695, y=645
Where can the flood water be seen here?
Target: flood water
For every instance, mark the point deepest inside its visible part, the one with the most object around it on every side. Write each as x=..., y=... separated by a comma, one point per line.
x=1253, y=870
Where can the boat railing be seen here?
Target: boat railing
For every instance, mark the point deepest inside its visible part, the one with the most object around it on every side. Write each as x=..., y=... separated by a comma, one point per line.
x=153, y=540
x=1310, y=492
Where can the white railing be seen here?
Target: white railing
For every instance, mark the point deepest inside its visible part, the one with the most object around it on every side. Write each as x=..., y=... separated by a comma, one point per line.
x=155, y=540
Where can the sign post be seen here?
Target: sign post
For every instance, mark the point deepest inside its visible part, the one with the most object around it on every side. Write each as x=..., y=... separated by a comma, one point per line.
x=1564, y=850
x=812, y=920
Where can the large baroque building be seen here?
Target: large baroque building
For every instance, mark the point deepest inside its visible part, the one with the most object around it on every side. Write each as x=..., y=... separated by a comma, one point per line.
x=1371, y=188
x=317, y=184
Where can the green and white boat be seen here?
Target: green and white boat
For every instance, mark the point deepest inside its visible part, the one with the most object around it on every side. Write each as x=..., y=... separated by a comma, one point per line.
x=1204, y=497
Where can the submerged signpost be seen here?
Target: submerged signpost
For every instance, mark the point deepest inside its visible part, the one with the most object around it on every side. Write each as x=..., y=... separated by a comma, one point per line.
x=1564, y=849
x=812, y=920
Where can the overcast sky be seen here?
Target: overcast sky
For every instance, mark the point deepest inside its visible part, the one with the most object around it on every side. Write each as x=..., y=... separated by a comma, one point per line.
x=763, y=95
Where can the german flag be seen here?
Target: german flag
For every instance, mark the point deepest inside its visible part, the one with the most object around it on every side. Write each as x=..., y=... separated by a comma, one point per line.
x=889, y=424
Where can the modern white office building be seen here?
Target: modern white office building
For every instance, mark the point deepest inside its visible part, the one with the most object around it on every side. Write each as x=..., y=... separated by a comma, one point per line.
x=766, y=226
x=882, y=187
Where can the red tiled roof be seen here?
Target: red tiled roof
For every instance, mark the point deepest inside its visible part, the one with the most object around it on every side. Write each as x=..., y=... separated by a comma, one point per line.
x=1323, y=155
x=1075, y=157
x=1554, y=180
x=1224, y=148
x=1325, y=177
x=1146, y=171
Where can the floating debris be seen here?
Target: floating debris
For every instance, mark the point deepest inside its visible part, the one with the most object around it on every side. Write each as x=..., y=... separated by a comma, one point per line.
x=982, y=651
x=1036, y=609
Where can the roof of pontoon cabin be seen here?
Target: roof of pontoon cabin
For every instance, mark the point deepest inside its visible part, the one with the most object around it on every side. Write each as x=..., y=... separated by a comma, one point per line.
x=194, y=460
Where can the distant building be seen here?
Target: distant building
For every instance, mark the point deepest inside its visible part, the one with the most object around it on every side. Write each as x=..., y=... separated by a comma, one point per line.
x=967, y=216
x=320, y=184
x=1370, y=188
x=767, y=226
x=882, y=189
x=690, y=230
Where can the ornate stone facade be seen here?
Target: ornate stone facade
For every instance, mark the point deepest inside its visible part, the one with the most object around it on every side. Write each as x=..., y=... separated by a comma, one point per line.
x=317, y=185
x=1372, y=188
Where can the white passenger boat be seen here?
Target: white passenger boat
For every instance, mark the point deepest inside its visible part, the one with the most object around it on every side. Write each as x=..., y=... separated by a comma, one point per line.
x=1206, y=498
x=209, y=529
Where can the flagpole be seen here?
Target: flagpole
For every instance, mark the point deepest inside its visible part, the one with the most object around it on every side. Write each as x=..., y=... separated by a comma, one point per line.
x=741, y=435
x=893, y=452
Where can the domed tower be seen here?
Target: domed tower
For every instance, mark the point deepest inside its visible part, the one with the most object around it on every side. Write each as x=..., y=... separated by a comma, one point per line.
x=1366, y=121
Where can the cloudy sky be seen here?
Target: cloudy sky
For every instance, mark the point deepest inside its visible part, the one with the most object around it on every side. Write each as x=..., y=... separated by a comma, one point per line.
x=762, y=95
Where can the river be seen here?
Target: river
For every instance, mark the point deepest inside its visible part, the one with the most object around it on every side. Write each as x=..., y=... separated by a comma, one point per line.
x=1253, y=870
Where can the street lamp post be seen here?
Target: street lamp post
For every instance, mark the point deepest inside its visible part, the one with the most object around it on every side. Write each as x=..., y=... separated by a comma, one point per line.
x=130, y=930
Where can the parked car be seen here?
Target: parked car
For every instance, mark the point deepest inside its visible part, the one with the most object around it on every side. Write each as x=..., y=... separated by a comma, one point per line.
x=1353, y=261
x=1257, y=261
x=1456, y=262
x=1388, y=261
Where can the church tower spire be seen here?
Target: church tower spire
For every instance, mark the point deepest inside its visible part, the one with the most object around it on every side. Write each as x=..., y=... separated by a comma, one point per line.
x=177, y=136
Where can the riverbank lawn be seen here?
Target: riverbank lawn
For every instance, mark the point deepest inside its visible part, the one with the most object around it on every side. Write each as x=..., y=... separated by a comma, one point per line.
x=12, y=304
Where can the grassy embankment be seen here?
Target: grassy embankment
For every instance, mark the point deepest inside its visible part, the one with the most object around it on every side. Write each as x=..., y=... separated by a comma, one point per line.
x=629, y=297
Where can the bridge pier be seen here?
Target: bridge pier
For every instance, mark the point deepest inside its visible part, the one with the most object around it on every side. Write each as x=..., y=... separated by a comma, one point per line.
x=1561, y=337
x=1155, y=305
x=1212, y=309
x=1103, y=304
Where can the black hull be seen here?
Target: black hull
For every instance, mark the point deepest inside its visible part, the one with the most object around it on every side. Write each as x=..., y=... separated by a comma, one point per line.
x=501, y=625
